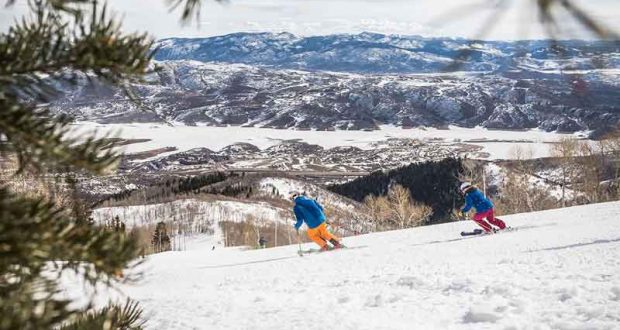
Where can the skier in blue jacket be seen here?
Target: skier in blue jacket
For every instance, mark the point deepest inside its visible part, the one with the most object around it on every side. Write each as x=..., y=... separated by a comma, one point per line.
x=484, y=208
x=311, y=212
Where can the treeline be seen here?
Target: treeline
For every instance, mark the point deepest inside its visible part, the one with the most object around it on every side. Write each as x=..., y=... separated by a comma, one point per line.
x=147, y=239
x=166, y=190
x=239, y=189
x=433, y=183
x=193, y=184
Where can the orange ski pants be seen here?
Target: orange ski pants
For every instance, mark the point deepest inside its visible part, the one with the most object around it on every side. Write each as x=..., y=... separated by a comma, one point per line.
x=320, y=235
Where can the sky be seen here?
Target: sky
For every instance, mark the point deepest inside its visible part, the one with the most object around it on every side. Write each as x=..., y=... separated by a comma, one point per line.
x=513, y=19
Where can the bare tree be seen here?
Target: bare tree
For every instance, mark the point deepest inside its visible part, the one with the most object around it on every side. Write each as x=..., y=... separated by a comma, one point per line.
x=376, y=209
x=565, y=149
x=519, y=191
x=396, y=210
x=404, y=212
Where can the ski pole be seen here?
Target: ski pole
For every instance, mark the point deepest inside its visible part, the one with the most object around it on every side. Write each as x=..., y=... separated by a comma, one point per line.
x=299, y=243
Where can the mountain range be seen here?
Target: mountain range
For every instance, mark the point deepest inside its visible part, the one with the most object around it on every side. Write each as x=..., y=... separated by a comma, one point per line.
x=364, y=80
x=395, y=54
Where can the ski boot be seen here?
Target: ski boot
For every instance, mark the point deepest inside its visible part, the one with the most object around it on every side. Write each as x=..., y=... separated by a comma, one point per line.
x=324, y=248
x=336, y=244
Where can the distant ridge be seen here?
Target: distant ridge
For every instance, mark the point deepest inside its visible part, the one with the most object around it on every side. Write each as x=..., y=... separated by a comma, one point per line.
x=379, y=53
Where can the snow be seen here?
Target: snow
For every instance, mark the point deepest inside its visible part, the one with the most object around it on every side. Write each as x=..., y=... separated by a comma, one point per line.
x=196, y=215
x=284, y=187
x=192, y=211
x=558, y=270
x=216, y=138
x=506, y=150
x=497, y=174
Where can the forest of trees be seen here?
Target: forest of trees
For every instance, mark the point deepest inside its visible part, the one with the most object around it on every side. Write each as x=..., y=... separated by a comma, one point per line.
x=169, y=189
x=434, y=183
x=580, y=172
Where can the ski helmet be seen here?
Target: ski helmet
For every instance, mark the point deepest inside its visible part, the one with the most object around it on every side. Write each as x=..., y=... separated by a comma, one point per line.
x=465, y=186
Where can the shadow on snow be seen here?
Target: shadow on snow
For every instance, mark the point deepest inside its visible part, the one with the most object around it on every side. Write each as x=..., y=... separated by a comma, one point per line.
x=514, y=229
x=598, y=241
x=279, y=258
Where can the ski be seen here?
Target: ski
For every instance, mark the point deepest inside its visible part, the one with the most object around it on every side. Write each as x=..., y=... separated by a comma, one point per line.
x=302, y=252
x=472, y=233
x=478, y=231
x=316, y=251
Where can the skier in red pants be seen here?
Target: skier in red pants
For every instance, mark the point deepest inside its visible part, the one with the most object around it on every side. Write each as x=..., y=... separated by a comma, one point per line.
x=484, y=208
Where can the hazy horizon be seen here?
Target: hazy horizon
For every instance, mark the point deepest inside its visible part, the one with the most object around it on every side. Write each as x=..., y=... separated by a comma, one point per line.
x=450, y=18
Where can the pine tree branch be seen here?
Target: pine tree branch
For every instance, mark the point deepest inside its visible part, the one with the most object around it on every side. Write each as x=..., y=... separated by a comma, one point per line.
x=31, y=303
x=37, y=58
x=61, y=42
x=127, y=316
x=40, y=141
x=37, y=55
x=39, y=233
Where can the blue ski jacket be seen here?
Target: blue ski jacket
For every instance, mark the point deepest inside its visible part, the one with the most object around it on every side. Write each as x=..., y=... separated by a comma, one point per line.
x=474, y=198
x=308, y=210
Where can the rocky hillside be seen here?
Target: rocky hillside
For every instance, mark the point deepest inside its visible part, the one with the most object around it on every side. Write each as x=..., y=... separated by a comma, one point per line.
x=301, y=156
x=567, y=92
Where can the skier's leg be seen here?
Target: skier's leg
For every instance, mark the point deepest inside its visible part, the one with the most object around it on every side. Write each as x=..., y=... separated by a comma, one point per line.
x=326, y=235
x=315, y=235
x=495, y=221
x=479, y=219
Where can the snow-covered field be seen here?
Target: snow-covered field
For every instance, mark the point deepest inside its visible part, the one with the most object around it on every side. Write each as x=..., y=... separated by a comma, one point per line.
x=216, y=138
x=193, y=212
x=559, y=269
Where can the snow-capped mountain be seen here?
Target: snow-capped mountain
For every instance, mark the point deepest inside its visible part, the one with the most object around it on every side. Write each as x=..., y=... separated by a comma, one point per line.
x=575, y=89
x=378, y=53
x=216, y=94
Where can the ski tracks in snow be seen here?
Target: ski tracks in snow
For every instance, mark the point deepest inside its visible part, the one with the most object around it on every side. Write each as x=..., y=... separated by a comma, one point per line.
x=561, y=273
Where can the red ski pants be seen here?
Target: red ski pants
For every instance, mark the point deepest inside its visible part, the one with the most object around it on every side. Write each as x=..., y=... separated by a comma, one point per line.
x=479, y=218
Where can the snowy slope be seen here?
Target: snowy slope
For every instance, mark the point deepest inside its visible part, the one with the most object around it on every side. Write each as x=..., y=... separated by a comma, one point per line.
x=191, y=211
x=559, y=270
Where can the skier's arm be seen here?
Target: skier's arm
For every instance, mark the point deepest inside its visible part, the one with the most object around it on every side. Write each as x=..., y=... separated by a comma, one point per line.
x=299, y=216
x=318, y=205
x=468, y=204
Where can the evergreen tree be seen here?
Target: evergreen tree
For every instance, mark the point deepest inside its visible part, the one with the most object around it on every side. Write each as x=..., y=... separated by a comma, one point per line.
x=161, y=240
x=59, y=43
